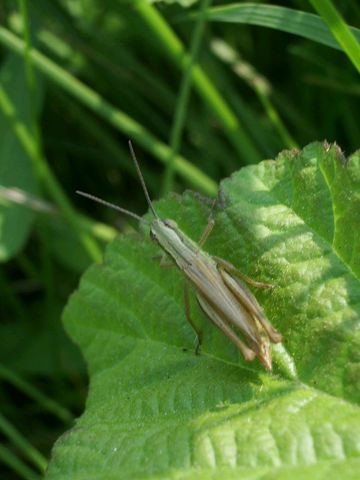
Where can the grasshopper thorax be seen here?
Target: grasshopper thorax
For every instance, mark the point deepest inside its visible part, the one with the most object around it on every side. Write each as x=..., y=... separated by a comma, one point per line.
x=162, y=230
x=169, y=237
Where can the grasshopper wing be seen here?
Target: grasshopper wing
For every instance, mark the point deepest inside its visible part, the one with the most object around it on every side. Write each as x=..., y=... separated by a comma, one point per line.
x=247, y=299
x=214, y=316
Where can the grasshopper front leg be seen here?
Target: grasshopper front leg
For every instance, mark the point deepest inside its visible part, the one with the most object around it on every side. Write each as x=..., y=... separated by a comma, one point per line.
x=164, y=263
x=189, y=319
x=227, y=266
x=208, y=229
x=203, y=238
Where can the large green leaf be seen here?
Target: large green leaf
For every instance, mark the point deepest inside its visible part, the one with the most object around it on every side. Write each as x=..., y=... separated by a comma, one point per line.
x=155, y=410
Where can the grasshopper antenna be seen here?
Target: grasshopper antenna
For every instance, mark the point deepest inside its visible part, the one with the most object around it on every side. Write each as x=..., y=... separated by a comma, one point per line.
x=112, y=205
x=147, y=196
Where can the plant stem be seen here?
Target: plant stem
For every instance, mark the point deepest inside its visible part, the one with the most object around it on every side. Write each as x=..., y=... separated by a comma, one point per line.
x=46, y=175
x=20, y=441
x=183, y=98
x=114, y=116
x=173, y=46
x=34, y=393
x=8, y=458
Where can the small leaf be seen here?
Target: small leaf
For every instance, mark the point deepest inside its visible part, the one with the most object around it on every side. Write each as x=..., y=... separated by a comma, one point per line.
x=155, y=410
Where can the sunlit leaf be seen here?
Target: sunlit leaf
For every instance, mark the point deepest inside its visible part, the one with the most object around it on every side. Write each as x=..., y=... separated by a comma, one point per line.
x=155, y=410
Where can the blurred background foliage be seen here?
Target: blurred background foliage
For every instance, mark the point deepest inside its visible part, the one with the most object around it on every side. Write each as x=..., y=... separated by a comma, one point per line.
x=106, y=71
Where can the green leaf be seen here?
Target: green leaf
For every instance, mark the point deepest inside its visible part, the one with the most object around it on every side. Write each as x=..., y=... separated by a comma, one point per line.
x=288, y=20
x=155, y=410
x=15, y=165
x=66, y=246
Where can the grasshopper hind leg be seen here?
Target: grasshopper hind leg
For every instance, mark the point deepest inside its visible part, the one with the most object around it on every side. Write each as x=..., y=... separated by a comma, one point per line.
x=229, y=267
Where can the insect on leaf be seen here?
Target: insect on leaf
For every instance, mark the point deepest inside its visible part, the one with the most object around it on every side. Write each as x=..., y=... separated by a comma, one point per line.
x=157, y=410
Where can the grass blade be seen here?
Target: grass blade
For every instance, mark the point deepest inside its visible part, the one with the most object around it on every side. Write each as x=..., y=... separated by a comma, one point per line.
x=176, y=51
x=183, y=98
x=285, y=19
x=20, y=441
x=343, y=34
x=114, y=116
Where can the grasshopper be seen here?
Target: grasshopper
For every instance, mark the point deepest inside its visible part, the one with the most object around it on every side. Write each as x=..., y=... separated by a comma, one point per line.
x=222, y=296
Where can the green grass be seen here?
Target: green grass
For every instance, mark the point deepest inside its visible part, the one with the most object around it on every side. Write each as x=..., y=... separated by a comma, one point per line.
x=201, y=92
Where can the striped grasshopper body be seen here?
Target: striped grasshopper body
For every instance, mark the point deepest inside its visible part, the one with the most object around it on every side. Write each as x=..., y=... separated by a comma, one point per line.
x=226, y=301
